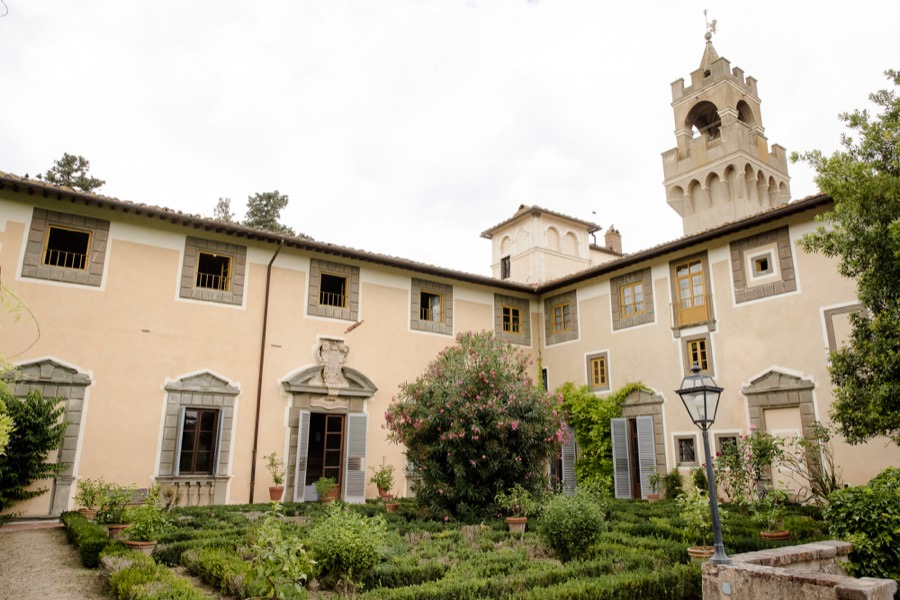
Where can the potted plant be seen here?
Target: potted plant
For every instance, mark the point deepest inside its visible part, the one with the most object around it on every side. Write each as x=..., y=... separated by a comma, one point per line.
x=276, y=469
x=326, y=487
x=146, y=522
x=112, y=507
x=653, y=479
x=383, y=478
x=517, y=502
x=769, y=512
x=89, y=496
x=697, y=521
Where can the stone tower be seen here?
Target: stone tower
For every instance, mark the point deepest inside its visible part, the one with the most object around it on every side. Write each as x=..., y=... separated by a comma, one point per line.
x=721, y=170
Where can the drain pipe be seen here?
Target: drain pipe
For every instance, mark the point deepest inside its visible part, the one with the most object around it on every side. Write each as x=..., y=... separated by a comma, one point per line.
x=259, y=383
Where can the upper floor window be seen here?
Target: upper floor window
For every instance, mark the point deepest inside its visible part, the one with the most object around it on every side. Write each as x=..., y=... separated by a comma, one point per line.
x=65, y=247
x=697, y=351
x=213, y=271
x=762, y=265
x=632, y=299
x=511, y=319
x=561, y=318
x=333, y=290
x=598, y=371
x=691, y=291
x=505, y=268
x=432, y=307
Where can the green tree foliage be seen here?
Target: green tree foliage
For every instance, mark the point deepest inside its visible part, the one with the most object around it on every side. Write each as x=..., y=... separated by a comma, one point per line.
x=39, y=430
x=863, y=232
x=590, y=417
x=869, y=516
x=222, y=211
x=6, y=426
x=72, y=171
x=264, y=211
x=474, y=424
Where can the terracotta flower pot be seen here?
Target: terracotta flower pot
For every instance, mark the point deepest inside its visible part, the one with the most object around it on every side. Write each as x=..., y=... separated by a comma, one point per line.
x=700, y=553
x=780, y=534
x=275, y=492
x=145, y=547
x=652, y=497
x=516, y=524
x=392, y=506
x=89, y=513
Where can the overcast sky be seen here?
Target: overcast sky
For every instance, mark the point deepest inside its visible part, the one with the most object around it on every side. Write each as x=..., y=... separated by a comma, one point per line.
x=408, y=127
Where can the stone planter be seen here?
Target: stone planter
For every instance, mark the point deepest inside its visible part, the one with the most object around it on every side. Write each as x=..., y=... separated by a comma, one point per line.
x=145, y=547
x=516, y=524
x=115, y=530
x=275, y=492
x=700, y=553
x=780, y=534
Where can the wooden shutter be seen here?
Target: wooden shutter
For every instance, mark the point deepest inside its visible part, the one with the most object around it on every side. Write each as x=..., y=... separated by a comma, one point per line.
x=568, y=464
x=220, y=417
x=621, y=471
x=355, y=465
x=176, y=460
x=302, y=454
x=646, y=452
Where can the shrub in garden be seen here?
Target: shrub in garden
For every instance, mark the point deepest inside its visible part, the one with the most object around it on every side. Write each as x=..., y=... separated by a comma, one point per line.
x=739, y=467
x=672, y=484
x=346, y=546
x=570, y=525
x=281, y=565
x=869, y=516
x=474, y=424
x=89, y=538
x=136, y=576
x=698, y=479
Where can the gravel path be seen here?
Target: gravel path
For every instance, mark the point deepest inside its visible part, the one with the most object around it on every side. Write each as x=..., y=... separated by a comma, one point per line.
x=40, y=564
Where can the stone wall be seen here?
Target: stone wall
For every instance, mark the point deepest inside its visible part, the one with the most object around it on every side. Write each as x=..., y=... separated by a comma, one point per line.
x=805, y=572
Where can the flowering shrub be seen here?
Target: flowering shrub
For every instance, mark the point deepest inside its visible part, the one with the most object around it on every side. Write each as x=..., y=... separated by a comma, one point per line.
x=741, y=467
x=474, y=424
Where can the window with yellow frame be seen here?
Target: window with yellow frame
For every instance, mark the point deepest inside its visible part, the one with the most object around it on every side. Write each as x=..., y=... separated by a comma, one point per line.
x=632, y=299
x=511, y=319
x=562, y=318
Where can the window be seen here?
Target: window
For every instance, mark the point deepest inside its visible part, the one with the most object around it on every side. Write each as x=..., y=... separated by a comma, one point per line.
x=762, y=265
x=333, y=290
x=198, y=441
x=505, y=267
x=67, y=248
x=725, y=440
x=691, y=297
x=632, y=299
x=686, y=450
x=696, y=354
x=430, y=307
x=213, y=271
x=598, y=371
x=511, y=319
x=562, y=318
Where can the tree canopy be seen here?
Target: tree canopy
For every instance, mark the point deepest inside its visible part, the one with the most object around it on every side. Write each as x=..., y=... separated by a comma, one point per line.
x=264, y=212
x=222, y=211
x=863, y=232
x=72, y=171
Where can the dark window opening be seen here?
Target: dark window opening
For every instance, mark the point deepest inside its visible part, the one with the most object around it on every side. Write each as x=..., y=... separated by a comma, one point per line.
x=326, y=446
x=333, y=290
x=430, y=307
x=504, y=267
x=213, y=271
x=687, y=452
x=762, y=265
x=67, y=248
x=198, y=441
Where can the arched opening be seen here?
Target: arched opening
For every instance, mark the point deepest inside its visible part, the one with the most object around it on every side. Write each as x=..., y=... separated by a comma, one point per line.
x=745, y=113
x=704, y=118
x=552, y=237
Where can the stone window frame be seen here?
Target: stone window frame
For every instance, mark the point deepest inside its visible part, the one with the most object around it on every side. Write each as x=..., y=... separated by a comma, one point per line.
x=678, y=438
x=315, y=308
x=589, y=364
x=41, y=222
x=677, y=318
x=445, y=291
x=617, y=284
x=556, y=337
x=782, y=280
x=828, y=316
x=193, y=247
x=523, y=336
x=687, y=363
x=720, y=436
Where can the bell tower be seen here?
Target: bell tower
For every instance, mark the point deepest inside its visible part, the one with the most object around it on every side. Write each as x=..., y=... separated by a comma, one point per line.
x=721, y=169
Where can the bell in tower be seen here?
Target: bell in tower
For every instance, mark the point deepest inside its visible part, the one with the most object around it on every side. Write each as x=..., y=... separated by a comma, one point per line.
x=721, y=169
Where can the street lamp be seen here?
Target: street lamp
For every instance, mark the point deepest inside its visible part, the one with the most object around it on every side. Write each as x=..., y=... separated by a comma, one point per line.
x=700, y=396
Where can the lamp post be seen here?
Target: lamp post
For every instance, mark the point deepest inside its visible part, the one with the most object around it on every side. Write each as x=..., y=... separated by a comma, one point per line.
x=700, y=396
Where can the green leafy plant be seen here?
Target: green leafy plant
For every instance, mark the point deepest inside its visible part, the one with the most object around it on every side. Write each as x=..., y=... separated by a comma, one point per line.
x=653, y=479
x=695, y=514
x=741, y=467
x=474, y=423
x=115, y=499
x=90, y=492
x=281, y=565
x=346, y=546
x=809, y=463
x=769, y=511
x=383, y=477
x=570, y=525
x=324, y=486
x=146, y=522
x=698, y=479
x=672, y=484
x=869, y=516
x=516, y=501
x=276, y=468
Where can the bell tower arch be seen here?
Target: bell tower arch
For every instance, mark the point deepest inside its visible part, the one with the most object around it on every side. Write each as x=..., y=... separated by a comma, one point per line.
x=721, y=169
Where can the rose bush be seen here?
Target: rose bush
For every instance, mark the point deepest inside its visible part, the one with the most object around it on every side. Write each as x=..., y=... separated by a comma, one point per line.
x=474, y=424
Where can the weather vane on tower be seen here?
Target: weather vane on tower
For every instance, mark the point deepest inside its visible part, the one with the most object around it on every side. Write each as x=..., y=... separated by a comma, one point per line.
x=710, y=26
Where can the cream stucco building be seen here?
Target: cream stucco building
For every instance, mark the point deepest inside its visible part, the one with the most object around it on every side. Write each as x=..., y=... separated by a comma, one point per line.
x=186, y=349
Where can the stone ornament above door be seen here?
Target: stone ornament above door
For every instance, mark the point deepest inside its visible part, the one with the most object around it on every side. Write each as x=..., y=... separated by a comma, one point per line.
x=331, y=377
x=333, y=354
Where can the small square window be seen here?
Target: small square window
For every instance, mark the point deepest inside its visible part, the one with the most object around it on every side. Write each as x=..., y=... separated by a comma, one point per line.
x=687, y=450
x=723, y=441
x=505, y=268
x=213, y=271
x=562, y=318
x=66, y=248
x=511, y=319
x=430, y=307
x=333, y=290
x=762, y=265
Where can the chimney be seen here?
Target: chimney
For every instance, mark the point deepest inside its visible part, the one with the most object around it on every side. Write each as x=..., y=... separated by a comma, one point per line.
x=613, y=240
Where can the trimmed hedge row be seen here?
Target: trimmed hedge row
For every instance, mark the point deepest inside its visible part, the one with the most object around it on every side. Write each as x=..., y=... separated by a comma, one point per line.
x=89, y=538
x=136, y=576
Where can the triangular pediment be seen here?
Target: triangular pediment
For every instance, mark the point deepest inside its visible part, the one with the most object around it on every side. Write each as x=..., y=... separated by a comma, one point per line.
x=47, y=370
x=774, y=380
x=202, y=382
x=310, y=380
